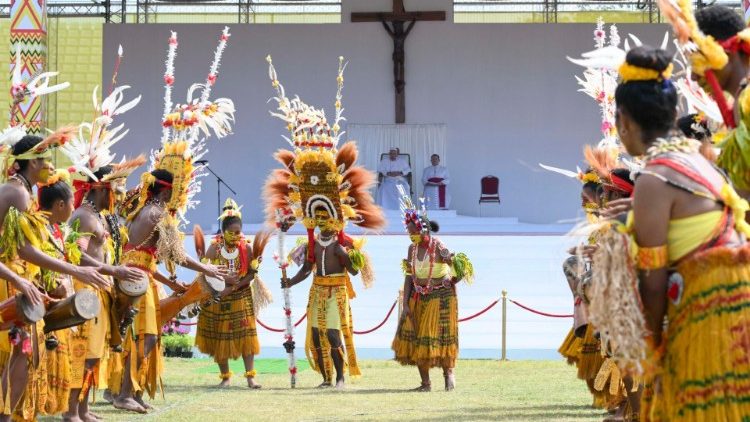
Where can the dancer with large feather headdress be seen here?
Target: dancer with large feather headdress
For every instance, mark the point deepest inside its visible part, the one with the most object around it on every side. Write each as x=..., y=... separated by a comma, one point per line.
x=321, y=185
x=165, y=195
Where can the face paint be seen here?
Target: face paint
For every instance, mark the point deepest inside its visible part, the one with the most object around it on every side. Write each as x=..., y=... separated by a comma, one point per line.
x=323, y=221
x=46, y=172
x=231, y=238
x=415, y=238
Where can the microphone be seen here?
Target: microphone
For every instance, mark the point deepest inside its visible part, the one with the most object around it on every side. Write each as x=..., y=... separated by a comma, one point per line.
x=202, y=162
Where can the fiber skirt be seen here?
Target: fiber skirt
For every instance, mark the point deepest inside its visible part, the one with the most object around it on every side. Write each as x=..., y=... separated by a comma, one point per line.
x=434, y=342
x=226, y=330
x=570, y=349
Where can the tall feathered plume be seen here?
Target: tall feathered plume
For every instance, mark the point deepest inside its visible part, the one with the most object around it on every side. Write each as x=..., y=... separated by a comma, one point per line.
x=318, y=174
x=192, y=123
x=92, y=148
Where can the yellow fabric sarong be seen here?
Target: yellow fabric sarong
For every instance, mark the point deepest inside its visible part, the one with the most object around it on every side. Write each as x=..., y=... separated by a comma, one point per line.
x=148, y=377
x=331, y=294
x=90, y=340
x=59, y=374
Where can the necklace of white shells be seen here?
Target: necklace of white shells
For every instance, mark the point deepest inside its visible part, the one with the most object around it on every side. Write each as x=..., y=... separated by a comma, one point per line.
x=230, y=257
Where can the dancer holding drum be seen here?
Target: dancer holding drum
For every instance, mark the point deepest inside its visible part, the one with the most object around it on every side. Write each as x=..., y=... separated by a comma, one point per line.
x=95, y=195
x=154, y=224
x=28, y=160
x=226, y=330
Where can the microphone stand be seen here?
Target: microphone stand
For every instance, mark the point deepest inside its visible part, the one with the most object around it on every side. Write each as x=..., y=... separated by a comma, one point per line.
x=219, y=182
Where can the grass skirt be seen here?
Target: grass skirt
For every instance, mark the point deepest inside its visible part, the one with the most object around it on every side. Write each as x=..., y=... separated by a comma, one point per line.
x=571, y=348
x=590, y=358
x=435, y=341
x=705, y=375
x=226, y=330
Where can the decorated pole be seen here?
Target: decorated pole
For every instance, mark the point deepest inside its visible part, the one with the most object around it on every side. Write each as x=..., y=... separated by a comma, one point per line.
x=284, y=219
x=28, y=56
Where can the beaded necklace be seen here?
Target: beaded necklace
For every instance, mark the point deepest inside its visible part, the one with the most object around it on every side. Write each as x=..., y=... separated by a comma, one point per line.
x=429, y=253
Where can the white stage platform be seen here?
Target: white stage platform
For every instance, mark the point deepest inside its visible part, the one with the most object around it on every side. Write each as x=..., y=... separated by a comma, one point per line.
x=450, y=224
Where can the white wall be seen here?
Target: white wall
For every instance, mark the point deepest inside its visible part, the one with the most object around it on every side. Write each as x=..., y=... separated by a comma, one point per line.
x=505, y=92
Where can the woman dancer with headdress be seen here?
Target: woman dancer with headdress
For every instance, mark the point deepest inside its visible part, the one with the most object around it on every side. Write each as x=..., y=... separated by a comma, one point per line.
x=427, y=334
x=687, y=225
x=226, y=329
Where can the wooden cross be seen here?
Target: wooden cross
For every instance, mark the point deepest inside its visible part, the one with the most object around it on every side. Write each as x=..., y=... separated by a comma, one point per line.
x=393, y=22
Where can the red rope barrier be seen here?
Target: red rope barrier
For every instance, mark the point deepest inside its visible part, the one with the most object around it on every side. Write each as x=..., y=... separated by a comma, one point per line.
x=279, y=330
x=540, y=312
x=480, y=312
x=388, y=315
x=382, y=323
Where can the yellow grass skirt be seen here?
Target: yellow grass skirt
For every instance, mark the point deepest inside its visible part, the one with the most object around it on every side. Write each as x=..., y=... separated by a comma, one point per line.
x=339, y=288
x=590, y=358
x=705, y=375
x=59, y=373
x=435, y=341
x=570, y=349
x=226, y=330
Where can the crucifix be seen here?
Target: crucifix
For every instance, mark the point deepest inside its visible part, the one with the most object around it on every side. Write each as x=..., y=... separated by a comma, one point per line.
x=398, y=24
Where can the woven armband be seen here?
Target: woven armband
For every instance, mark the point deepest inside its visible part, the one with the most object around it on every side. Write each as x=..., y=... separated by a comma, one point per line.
x=652, y=258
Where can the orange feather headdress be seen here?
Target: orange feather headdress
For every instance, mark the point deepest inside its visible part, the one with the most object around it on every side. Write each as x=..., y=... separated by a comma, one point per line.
x=318, y=175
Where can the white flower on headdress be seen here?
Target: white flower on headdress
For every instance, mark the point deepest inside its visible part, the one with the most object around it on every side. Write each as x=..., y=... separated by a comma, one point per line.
x=314, y=180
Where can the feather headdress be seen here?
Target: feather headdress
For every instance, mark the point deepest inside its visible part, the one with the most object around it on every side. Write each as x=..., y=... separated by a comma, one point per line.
x=318, y=175
x=413, y=214
x=185, y=128
x=92, y=148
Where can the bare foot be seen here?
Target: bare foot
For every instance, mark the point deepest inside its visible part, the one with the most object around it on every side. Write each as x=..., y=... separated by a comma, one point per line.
x=224, y=383
x=340, y=384
x=143, y=404
x=252, y=384
x=71, y=418
x=89, y=417
x=450, y=382
x=324, y=384
x=424, y=388
x=107, y=396
x=618, y=415
x=128, y=404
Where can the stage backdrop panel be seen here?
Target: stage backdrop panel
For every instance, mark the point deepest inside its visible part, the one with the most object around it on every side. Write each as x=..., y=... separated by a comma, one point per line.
x=505, y=93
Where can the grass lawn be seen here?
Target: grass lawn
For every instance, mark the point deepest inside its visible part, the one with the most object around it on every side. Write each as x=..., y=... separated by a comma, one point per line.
x=486, y=390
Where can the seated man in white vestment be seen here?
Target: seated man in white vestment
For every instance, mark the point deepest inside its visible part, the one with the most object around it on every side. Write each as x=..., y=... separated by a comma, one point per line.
x=435, y=179
x=392, y=171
